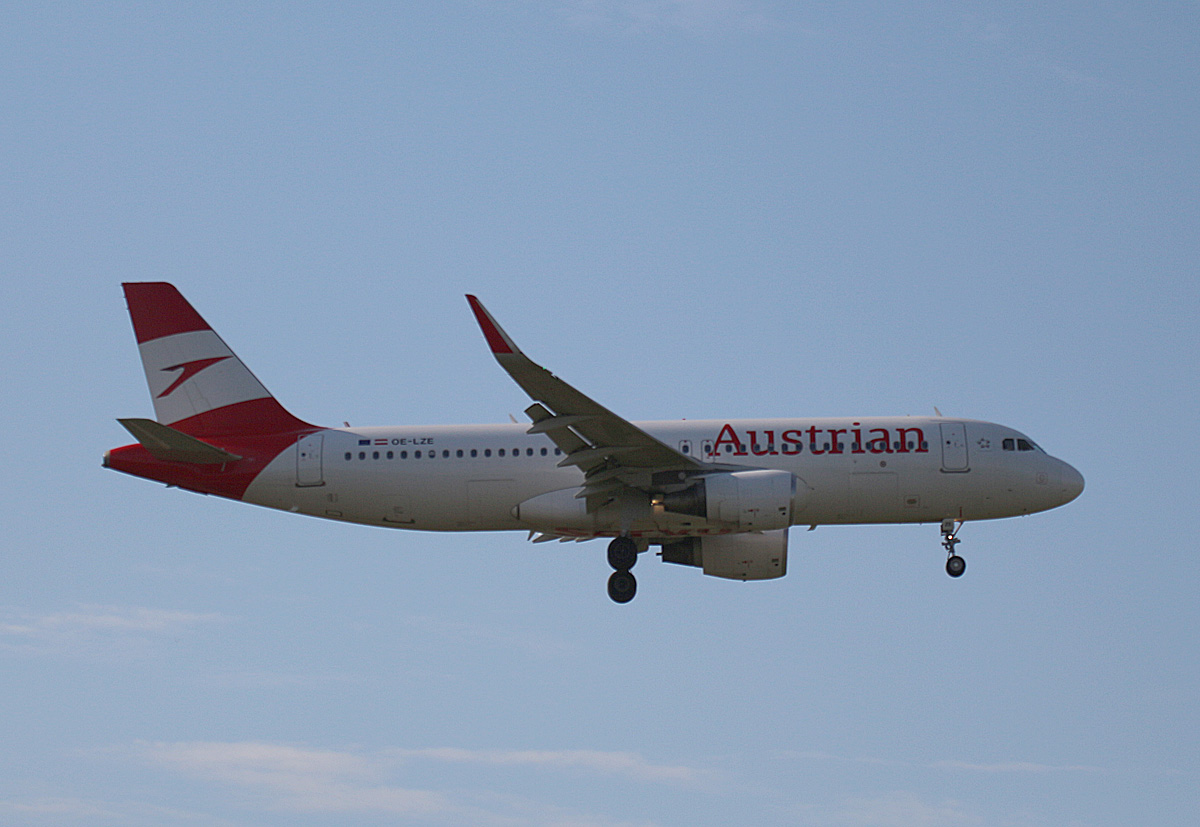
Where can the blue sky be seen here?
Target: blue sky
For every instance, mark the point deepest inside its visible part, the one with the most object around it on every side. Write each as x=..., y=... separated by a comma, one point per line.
x=686, y=208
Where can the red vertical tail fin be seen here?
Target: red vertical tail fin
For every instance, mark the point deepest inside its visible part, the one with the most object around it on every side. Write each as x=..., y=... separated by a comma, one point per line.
x=198, y=385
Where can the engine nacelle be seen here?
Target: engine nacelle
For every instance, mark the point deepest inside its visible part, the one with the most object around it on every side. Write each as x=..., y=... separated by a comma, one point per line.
x=745, y=500
x=734, y=556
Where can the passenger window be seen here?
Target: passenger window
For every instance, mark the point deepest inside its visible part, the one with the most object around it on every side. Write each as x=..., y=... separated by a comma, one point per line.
x=474, y=452
x=391, y=455
x=500, y=452
x=445, y=455
x=557, y=451
x=404, y=455
x=348, y=456
x=375, y=455
x=487, y=452
x=416, y=454
x=362, y=454
x=544, y=452
x=458, y=453
x=528, y=452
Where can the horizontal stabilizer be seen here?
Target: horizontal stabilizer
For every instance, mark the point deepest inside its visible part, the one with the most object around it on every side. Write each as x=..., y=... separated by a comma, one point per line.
x=168, y=444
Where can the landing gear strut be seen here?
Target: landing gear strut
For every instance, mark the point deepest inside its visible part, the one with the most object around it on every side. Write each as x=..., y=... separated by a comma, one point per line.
x=955, y=565
x=622, y=556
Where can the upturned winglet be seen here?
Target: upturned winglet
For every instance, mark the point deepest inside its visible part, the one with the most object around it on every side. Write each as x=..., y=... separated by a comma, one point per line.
x=497, y=339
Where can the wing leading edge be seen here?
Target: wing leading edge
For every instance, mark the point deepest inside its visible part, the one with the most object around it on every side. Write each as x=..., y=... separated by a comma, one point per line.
x=613, y=453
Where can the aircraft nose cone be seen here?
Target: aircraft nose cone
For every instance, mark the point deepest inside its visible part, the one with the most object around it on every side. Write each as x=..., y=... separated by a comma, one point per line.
x=1072, y=483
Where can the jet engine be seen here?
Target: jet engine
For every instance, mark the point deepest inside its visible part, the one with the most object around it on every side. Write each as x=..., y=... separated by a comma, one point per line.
x=744, y=500
x=733, y=556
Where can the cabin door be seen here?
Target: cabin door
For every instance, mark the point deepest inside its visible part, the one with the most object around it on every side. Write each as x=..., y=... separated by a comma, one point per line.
x=308, y=460
x=954, y=447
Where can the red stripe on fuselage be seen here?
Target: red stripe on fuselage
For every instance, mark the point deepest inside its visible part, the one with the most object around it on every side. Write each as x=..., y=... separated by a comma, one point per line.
x=229, y=480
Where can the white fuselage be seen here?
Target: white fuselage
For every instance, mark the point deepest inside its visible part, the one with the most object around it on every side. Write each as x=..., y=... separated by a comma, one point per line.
x=474, y=477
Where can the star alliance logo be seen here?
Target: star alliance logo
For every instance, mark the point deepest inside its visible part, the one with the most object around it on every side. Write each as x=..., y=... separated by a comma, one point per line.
x=189, y=369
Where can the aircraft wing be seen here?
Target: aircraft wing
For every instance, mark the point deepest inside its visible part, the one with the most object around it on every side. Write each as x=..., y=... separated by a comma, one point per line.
x=611, y=451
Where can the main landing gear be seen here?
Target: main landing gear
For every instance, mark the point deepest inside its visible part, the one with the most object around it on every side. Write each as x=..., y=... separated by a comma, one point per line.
x=955, y=565
x=622, y=556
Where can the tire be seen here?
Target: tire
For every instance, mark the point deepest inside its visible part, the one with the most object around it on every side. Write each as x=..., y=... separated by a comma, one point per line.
x=622, y=554
x=622, y=586
x=955, y=566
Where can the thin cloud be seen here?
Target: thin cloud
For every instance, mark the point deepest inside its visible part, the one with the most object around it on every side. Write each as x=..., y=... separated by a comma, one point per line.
x=90, y=626
x=963, y=766
x=628, y=764
x=65, y=810
x=1013, y=766
x=71, y=807
x=296, y=778
x=307, y=780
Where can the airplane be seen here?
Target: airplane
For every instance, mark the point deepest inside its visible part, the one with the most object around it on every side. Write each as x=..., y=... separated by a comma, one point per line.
x=718, y=495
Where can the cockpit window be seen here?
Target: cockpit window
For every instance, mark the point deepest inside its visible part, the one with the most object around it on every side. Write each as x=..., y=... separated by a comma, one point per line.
x=1024, y=445
x=1009, y=445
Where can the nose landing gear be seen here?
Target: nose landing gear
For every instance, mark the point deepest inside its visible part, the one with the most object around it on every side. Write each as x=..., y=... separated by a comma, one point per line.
x=622, y=556
x=955, y=565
